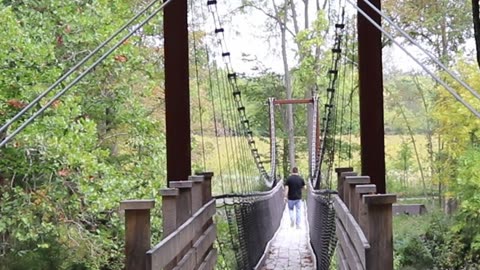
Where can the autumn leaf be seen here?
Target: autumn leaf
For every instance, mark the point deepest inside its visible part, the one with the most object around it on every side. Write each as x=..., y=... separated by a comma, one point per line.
x=64, y=172
x=16, y=103
x=59, y=40
x=55, y=104
x=121, y=58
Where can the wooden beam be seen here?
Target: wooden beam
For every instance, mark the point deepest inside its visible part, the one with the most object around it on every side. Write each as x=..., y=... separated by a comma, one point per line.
x=371, y=96
x=177, y=93
x=292, y=101
x=165, y=251
x=137, y=232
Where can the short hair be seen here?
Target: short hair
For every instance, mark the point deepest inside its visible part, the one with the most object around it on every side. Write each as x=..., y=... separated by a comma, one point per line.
x=294, y=170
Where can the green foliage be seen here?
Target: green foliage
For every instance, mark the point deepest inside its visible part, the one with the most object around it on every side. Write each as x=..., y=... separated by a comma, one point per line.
x=63, y=177
x=442, y=25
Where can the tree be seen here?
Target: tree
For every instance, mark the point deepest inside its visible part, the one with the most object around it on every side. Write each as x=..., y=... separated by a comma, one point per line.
x=476, y=27
x=302, y=76
x=442, y=26
x=98, y=145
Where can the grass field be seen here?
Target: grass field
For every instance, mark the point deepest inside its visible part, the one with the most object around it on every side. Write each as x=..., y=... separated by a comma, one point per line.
x=222, y=153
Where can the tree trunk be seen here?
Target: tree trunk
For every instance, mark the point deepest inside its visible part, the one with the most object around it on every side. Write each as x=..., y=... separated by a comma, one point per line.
x=414, y=143
x=288, y=87
x=476, y=27
x=307, y=22
x=430, y=132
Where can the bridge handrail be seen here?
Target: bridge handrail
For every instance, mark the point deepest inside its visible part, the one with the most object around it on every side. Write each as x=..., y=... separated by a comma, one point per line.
x=188, y=229
x=350, y=235
x=169, y=248
x=264, y=194
x=363, y=223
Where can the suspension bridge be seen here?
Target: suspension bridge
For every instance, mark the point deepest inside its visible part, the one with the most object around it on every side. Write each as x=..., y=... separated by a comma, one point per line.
x=348, y=225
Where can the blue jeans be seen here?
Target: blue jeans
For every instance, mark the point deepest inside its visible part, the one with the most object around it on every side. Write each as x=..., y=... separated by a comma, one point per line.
x=295, y=215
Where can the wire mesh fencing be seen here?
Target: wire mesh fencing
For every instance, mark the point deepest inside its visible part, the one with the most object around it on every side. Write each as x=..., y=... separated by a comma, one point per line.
x=321, y=220
x=253, y=220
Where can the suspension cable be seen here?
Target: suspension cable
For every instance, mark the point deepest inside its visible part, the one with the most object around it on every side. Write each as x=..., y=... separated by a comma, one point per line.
x=352, y=89
x=82, y=75
x=74, y=68
x=438, y=62
x=329, y=106
x=440, y=81
x=232, y=76
x=343, y=105
x=197, y=79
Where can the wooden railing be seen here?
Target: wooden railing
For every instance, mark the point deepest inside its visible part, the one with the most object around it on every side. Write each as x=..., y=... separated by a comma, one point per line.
x=188, y=228
x=363, y=223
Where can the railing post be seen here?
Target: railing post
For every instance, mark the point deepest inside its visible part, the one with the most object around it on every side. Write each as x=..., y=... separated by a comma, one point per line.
x=169, y=213
x=339, y=172
x=184, y=201
x=349, y=195
x=184, y=207
x=137, y=231
x=169, y=210
x=197, y=191
x=340, y=185
x=207, y=186
x=361, y=210
x=379, y=233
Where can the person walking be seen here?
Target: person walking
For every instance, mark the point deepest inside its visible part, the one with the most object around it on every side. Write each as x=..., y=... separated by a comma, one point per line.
x=293, y=196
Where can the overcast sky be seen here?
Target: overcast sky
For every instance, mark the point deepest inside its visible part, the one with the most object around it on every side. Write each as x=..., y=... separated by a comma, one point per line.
x=246, y=35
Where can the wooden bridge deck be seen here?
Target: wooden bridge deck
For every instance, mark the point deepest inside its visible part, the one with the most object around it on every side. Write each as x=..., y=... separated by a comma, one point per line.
x=290, y=248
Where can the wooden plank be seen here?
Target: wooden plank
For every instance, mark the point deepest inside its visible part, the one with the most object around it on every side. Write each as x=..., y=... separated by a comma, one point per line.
x=341, y=179
x=380, y=234
x=197, y=195
x=188, y=262
x=168, y=248
x=210, y=261
x=355, y=233
x=204, y=243
x=207, y=186
x=181, y=184
x=137, y=238
x=365, y=189
x=409, y=209
x=349, y=188
x=196, y=178
x=292, y=101
x=341, y=260
x=361, y=208
x=137, y=231
x=137, y=204
x=169, y=192
x=351, y=256
x=380, y=199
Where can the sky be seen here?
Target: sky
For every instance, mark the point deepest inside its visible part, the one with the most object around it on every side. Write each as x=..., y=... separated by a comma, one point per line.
x=246, y=38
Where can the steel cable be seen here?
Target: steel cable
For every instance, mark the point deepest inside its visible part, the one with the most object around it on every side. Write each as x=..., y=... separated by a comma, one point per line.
x=76, y=80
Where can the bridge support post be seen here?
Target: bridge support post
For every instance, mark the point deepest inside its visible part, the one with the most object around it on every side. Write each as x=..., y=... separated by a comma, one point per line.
x=371, y=96
x=137, y=232
x=379, y=233
x=177, y=93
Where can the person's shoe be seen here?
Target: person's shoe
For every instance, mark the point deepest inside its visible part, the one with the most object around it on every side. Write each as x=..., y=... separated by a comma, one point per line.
x=291, y=224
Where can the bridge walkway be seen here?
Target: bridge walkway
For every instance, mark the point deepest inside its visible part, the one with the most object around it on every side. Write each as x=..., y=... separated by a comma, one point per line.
x=290, y=248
